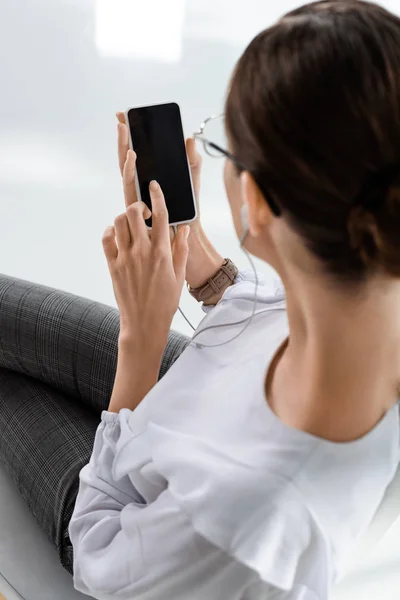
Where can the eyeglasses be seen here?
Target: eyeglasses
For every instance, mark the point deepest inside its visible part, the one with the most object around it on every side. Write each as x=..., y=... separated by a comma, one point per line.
x=217, y=151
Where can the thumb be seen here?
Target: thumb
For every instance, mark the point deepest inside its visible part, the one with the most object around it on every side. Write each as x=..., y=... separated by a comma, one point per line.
x=193, y=156
x=195, y=162
x=180, y=253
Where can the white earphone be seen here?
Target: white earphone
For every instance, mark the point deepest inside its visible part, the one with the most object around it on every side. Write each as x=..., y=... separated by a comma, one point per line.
x=244, y=214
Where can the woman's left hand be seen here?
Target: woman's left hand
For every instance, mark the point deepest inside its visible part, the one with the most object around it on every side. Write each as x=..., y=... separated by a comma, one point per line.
x=147, y=272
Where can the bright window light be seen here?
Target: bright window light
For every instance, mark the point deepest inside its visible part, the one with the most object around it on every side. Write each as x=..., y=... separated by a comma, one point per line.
x=140, y=28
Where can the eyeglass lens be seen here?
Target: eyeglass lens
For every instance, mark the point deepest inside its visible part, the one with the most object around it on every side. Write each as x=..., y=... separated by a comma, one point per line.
x=214, y=132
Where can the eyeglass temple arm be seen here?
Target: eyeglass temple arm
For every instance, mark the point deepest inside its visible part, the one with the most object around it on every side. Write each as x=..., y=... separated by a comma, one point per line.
x=200, y=136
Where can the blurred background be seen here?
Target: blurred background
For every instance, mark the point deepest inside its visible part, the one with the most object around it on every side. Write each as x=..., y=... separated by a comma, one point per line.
x=66, y=67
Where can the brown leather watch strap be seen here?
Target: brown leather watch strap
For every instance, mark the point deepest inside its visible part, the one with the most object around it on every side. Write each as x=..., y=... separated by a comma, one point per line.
x=216, y=284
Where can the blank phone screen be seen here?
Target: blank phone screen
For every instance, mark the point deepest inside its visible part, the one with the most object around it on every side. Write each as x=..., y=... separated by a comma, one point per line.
x=157, y=139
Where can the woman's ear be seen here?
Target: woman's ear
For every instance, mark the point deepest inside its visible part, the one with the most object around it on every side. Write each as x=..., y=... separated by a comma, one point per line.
x=258, y=211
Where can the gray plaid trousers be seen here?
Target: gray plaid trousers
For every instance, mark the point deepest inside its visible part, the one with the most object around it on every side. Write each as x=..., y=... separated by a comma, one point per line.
x=58, y=358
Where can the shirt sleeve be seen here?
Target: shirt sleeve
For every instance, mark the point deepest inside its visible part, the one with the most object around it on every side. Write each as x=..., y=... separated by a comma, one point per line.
x=126, y=548
x=243, y=286
x=260, y=591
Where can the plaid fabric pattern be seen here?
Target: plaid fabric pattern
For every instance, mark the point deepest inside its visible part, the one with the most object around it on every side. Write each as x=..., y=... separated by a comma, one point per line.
x=58, y=358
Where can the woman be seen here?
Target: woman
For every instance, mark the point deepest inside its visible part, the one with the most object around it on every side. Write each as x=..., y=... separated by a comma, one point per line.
x=252, y=468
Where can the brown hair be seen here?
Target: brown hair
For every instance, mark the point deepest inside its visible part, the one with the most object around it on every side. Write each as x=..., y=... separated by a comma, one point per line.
x=313, y=111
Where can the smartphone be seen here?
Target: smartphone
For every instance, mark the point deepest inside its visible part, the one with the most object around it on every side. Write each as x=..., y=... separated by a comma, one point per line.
x=156, y=135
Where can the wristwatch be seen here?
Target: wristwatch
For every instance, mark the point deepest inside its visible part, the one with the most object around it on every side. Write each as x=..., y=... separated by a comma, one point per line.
x=216, y=284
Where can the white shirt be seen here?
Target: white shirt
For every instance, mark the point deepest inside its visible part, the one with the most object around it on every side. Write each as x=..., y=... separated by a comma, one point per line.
x=202, y=492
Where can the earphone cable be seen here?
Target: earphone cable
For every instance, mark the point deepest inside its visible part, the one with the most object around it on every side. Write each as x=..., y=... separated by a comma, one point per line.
x=247, y=320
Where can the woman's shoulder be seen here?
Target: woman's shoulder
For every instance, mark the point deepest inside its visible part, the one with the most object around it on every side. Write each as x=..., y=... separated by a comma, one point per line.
x=259, y=518
x=274, y=500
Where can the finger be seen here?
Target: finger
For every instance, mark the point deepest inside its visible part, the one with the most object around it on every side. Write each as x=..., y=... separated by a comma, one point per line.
x=136, y=215
x=128, y=177
x=123, y=145
x=195, y=158
x=122, y=232
x=121, y=116
x=195, y=161
x=180, y=253
x=109, y=245
x=160, y=234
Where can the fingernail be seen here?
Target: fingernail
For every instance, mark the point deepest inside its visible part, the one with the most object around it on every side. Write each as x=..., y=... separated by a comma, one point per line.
x=187, y=232
x=154, y=186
